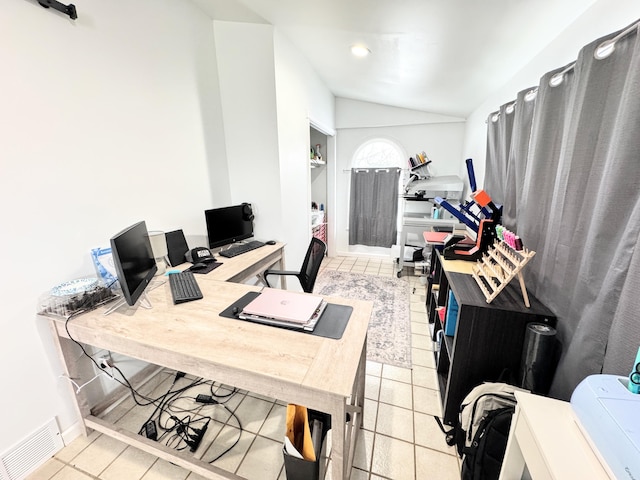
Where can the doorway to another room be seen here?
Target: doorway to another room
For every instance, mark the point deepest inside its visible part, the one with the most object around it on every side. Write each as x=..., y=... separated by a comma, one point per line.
x=318, y=159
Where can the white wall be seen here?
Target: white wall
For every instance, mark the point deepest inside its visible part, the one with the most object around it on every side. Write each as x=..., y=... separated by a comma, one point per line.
x=103, y=123
x=269, y=93
x=602, y=18
x=439, y=136
x=247, y=88
x=301, y=97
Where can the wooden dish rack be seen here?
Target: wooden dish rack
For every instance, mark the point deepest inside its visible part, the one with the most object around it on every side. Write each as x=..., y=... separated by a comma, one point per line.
x=498, y=267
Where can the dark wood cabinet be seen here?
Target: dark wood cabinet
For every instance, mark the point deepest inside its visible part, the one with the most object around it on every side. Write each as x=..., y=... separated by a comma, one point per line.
x=488, y=338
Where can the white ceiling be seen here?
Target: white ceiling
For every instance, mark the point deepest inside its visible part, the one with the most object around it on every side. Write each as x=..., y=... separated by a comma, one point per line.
x=440, y=56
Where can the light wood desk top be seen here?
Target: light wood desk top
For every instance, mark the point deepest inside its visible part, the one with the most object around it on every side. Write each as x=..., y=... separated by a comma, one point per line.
x=247, y=265
x=193, y=337
x=295, y=367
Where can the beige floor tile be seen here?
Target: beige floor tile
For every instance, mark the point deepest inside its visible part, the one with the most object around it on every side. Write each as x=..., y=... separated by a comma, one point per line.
x=426, y=400
x=163, y=470
x=396, y=393
x=396, y=373
x=264, y=460
x=97, y=456
x=417, y=305
x=370, y=414
x=432, y=464
x=132, y=464
x=393, y=458
x=252, y=412
x=74, y=448
x=229, y=461
x=420, y=328
x=425, y=377
x=274, y=425
x=423, y=358
x=364, y=450
x=68, y=473
x=47, y=470
x=428, y=434
x=372, y=387
x=357, y=474
x=395, y=422
x=421, y=342
x=374, y=368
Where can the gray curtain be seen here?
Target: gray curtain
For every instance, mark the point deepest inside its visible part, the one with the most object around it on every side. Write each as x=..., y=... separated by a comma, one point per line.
x=517, y=162
x=498, y=147
x=373, y=207
x=580, y=210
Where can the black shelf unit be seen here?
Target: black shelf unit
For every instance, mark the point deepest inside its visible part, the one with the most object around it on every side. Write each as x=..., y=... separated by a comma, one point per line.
x=488, y=338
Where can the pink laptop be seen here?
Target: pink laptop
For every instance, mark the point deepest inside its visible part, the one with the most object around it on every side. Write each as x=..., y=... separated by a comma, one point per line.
x=284, y=305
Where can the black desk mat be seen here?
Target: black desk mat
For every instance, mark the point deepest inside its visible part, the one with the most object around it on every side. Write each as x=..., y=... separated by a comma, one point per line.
x=332, y=323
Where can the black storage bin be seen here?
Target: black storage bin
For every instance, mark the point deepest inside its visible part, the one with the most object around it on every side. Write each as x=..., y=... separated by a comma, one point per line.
x=538, y=358
x=300, y=469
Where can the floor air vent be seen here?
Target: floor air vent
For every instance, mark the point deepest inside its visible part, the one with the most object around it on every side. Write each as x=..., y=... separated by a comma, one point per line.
x=23, y=458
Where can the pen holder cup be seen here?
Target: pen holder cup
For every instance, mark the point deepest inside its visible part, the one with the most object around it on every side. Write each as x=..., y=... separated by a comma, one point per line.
x=300, y=469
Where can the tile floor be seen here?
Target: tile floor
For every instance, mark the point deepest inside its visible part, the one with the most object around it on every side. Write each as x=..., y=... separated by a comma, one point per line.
x=400, y=440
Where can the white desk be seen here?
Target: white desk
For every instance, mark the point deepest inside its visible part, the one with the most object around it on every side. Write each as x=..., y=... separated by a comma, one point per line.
x=544, y=436
x=323, y=374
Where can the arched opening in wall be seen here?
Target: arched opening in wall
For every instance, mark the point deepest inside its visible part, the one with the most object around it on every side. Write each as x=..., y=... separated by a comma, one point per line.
x=378, y=153
x=375, y=211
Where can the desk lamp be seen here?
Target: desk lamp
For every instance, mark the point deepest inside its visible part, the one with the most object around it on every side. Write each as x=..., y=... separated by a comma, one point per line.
x=159, y=247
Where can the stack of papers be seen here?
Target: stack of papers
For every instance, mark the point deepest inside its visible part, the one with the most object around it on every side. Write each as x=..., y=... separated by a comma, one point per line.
x=285, y=309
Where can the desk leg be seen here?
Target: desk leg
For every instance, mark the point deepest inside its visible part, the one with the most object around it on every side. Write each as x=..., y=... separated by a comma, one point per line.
x=68, y=352
x=344, y=435
x=513, y=463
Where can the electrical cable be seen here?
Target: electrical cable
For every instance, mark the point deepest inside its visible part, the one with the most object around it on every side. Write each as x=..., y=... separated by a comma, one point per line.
x=189, y=441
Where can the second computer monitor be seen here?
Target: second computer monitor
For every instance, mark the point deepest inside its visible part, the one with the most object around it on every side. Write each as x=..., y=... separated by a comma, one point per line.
x=228, y=225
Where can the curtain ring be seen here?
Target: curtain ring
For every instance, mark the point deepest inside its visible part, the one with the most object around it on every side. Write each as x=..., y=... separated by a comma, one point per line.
x=531, y=95
x=556, y=79
x=605, y=49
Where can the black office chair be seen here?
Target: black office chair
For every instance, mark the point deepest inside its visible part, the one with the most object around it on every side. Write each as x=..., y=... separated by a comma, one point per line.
x=310, y=267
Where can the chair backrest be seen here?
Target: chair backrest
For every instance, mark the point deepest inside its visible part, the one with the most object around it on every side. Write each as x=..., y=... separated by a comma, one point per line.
x=311, y=265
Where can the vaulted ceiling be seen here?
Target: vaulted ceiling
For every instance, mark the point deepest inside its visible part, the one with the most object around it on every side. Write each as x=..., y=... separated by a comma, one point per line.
x=440, y=56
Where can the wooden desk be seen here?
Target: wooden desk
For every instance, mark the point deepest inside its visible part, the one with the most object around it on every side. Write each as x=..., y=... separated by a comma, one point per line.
x=242, y=267
x=323, y=374
x=545, y=437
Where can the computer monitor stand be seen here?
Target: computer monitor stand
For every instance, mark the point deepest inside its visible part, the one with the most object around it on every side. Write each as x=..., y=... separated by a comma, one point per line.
x=143, y=302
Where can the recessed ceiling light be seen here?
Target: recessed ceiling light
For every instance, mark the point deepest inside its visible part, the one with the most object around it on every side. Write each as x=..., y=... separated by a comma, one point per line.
x=360, y=50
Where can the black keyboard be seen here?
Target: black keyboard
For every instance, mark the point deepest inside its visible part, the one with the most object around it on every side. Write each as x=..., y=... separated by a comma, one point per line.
x=184, y=287
x=235, y=250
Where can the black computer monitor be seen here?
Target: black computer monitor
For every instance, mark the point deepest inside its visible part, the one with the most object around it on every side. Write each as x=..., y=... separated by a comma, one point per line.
x=134, y=260
x=229, y=224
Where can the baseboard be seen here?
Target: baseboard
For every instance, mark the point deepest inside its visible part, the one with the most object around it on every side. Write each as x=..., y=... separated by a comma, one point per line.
x=73, y=432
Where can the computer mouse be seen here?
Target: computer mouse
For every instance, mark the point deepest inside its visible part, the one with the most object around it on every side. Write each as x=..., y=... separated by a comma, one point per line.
x=198, y=266
x=270, y=242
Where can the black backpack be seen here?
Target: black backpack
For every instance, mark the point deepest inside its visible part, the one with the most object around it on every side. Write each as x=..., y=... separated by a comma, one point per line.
x=481, y=432
x=483, y=459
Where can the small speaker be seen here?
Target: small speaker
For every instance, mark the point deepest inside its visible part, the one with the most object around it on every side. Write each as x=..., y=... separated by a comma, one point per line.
x=247, y=212
x=176, y=247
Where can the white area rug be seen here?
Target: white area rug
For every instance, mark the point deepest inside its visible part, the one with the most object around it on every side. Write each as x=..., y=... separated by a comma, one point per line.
x=389, y=335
